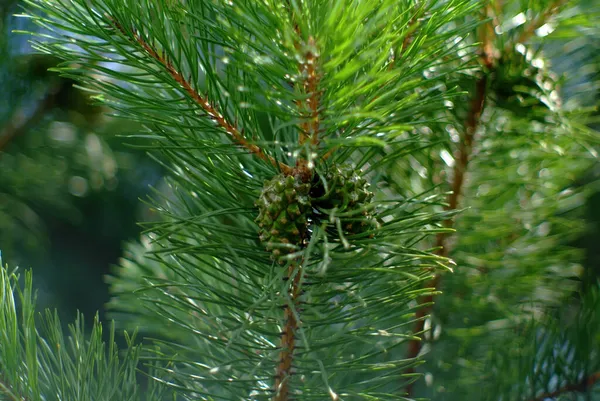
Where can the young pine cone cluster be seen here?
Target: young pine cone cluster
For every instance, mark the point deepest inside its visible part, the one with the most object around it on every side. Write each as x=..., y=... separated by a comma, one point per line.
x=522, y=83
x=283, y=210
x=287, y=206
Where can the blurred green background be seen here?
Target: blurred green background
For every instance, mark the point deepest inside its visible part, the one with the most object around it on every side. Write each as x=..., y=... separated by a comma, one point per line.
x=70, y=185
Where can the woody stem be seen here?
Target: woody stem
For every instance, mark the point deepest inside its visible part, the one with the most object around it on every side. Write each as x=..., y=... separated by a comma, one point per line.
x=461, y=160
x=288, y=336
x=211, y=111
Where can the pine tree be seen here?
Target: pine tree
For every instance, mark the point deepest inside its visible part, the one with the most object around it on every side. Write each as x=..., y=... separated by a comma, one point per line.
x=321, y=156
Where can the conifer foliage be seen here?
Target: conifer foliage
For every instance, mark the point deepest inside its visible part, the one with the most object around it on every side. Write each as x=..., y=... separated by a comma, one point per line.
x=277, y=290
x=308, y=216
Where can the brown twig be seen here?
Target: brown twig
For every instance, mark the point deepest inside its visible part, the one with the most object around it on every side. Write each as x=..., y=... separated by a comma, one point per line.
x=288, y=337
x=211, y=110
x=308, y=131
x=310, y=127
x=487, y=34
x=537, y=22
x=463, y=154
x=461, y=161
x=308, y=107
x=411, y=27
x=579, y=387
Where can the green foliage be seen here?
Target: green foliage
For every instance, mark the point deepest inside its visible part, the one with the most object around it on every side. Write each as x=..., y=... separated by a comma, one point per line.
x=209, y=73
x=437, y=106
x=564, y=346
x=523, y=157
x=521, y=84
x=40, y=362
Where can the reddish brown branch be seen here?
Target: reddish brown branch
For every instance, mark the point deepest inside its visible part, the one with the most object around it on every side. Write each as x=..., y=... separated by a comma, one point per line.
x=463, y=154
x=310, y=127
x=309, y=107
x=309, y=87
x=308, y=131
x=202, y=101
x=540, y=20
x=582, y=386
x=411, y=27
x=461, y=161
x=487, y=34
x=288, y=338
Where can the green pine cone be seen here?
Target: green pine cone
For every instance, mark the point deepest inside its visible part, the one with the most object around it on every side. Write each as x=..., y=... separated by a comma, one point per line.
x=523, y=84
x=345, y=189
x=283, y=208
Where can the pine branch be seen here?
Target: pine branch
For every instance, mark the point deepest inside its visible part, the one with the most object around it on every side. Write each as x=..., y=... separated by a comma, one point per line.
x=538, y=22
x=461, y=161
x=232, y=130
x=411, y=27
x=309, y=131
x=218, y=268
x=310, y=127
x=38, y=360
x=580, y=387
x=309, y=107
